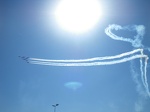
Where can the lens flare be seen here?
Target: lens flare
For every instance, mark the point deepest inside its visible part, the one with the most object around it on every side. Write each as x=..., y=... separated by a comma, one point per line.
x=73, y=85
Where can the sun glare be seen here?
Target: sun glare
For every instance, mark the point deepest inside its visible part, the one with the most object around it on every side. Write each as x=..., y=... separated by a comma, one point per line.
x=78, y=16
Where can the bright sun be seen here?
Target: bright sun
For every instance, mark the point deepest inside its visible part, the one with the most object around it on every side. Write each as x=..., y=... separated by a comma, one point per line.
x=77, y=16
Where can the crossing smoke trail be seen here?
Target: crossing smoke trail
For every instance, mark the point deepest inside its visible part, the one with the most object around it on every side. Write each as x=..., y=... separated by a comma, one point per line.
x=110, y=60
x=136, y=43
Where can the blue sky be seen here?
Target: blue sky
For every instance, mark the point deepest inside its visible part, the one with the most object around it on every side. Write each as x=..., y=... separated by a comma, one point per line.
x=27, y=30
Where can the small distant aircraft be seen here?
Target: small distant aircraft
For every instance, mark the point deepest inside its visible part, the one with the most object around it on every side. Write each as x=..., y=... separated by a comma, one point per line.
x=55, y=105
x=24, y=58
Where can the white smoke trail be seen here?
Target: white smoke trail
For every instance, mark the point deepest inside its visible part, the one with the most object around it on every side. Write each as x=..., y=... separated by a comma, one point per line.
x=139, y=106
x=136, y=41
x=115, y=37
x=90, y=63
x=124, y=57
x=91, y=59
x=110, y=60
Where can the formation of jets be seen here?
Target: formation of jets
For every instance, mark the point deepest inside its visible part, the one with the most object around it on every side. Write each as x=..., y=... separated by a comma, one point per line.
x=55, y=105
x=24, y=58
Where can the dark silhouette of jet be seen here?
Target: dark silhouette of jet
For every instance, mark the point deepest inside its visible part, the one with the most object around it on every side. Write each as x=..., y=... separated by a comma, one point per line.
x=55, y=105
x=24, y=58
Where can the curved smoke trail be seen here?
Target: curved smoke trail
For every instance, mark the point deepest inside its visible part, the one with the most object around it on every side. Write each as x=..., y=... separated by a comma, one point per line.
x=110, y=60
x=136, y=41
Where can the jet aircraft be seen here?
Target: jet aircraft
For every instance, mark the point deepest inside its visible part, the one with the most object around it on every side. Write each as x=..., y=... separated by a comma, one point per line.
x=24, y=58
